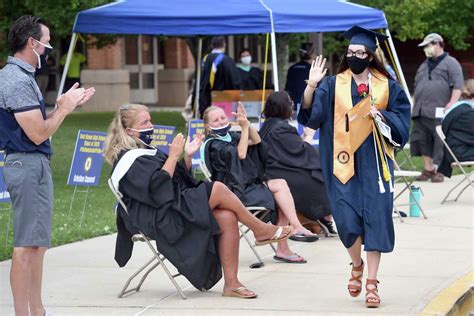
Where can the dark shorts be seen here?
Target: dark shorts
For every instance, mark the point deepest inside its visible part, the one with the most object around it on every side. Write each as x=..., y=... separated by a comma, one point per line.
x=29, y=182
x=424, y=141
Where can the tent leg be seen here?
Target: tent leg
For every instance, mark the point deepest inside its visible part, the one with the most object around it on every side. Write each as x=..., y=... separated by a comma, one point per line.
x=274, y=62
x=72, y=45
x=198, y=78
x=399, y=67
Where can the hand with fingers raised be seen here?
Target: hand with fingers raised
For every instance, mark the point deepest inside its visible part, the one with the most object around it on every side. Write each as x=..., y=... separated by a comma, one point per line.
x=176, y=147
x=241, y=117
x=191, y=147
x=317, y=71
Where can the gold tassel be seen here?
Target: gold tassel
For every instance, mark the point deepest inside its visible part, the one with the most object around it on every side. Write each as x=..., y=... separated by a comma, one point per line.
x=385, y=171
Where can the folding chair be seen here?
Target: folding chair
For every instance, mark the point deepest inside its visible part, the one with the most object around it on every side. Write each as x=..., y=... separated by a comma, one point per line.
x=154, y=262
x=406, y=157
x=258, y=211
x=456, y=164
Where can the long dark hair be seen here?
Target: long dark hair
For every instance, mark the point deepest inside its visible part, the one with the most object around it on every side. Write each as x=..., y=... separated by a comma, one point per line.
x=375, y=63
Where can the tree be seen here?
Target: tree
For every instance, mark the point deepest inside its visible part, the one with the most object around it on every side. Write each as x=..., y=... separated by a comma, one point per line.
x=59, y=14
x=413, y=19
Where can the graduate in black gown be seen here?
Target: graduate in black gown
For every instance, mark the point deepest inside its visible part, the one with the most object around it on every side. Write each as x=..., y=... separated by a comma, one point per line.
x=238, y=161
x=357, y=163
x=251, y=77
x=296, y=161
x=219, y=72
x=194, y=223
x=458, y=128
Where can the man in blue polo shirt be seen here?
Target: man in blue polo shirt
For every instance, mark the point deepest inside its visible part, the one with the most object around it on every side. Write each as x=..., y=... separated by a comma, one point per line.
x=24, y=136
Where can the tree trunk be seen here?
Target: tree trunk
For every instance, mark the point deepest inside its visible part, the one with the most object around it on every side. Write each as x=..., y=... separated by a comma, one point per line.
x=282, y=40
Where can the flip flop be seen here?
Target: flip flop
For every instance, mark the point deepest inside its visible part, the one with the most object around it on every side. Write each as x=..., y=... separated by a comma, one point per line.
x=238, y=293
x=278, y=236
x=303, y=238
x=289, y=259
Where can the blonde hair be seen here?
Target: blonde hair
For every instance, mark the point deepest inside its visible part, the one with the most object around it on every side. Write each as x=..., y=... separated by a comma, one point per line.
x=468, y=89
x=205, y=116
x=117, y=138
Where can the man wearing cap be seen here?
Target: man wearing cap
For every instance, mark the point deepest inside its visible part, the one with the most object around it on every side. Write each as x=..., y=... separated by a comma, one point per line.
x=24, y=136
x=438, y=84
x=357, y=162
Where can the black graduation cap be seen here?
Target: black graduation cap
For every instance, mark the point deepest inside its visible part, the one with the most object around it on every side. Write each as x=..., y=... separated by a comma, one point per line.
x=359, y=35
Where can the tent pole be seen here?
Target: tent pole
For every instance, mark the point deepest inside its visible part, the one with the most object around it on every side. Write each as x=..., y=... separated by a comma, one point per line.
x=198, y=78
x=399, y=67
x=274, y=62
x=72, y=45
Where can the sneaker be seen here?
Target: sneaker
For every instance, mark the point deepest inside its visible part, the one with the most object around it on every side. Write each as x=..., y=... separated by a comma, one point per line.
x=328, y=227
x=437, y=177
x=425, y=175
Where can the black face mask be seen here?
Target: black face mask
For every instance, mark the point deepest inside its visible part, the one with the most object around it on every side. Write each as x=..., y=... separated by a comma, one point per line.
x=358, y=65
x=145, y=134
x=221, y=131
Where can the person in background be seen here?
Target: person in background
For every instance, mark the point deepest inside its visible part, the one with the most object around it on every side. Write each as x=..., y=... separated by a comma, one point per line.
x=219, y=72
x=438, y=84
x=252, y=77
x=458, y=127
x=74, y=71
x=25, y=136
x=298, y=73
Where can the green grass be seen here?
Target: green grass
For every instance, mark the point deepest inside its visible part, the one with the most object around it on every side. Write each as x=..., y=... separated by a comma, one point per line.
x=99, y=218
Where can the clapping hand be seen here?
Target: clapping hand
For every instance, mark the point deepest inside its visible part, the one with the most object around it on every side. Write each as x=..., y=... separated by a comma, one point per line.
x=191, y=147
x=241, y=116
x=74, y=97
x=176, y=147
x=317, y=71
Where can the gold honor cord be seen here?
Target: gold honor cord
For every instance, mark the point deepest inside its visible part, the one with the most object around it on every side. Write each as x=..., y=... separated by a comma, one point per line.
x=381, y=149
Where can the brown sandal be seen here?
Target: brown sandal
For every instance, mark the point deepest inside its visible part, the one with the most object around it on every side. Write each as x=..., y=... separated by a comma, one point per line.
x=356, y=289
x=374, y=300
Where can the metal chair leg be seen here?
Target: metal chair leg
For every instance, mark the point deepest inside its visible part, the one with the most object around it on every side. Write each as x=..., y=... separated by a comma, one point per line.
x=259, y=263
x=450, y=191
x=462, y=190
x=171, y=277
x=124, y=290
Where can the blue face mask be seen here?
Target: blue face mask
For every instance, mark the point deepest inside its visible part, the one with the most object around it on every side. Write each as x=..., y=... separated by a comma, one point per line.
x=221, y=131
x=145, y=134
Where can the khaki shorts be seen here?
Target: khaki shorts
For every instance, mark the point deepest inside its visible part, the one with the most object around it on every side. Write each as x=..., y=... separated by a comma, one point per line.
x=29, y=182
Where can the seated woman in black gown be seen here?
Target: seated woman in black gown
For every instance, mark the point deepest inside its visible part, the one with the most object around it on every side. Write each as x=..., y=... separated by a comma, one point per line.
x=296, y=161
x=458, y=128
x=237, y=160
x=194, y=223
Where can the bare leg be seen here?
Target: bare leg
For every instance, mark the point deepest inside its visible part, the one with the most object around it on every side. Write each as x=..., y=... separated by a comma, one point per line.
x=20, y=277
x=283, y=249
x=285, y=202
x=373, y=262
x=428, y=162
x=223, y=198
x=355, y=254
x=35, y=301
x=229, y=249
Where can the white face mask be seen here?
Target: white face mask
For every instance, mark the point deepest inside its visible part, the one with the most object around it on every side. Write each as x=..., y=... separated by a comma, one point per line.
x=429, y=51
x=47, y=50
x=247, y=60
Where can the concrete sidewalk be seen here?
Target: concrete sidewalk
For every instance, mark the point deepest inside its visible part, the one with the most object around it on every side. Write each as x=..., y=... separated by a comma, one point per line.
x=83, y=279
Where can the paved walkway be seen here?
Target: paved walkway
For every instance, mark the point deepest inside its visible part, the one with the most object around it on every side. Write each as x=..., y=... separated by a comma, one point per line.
x=82, y=278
